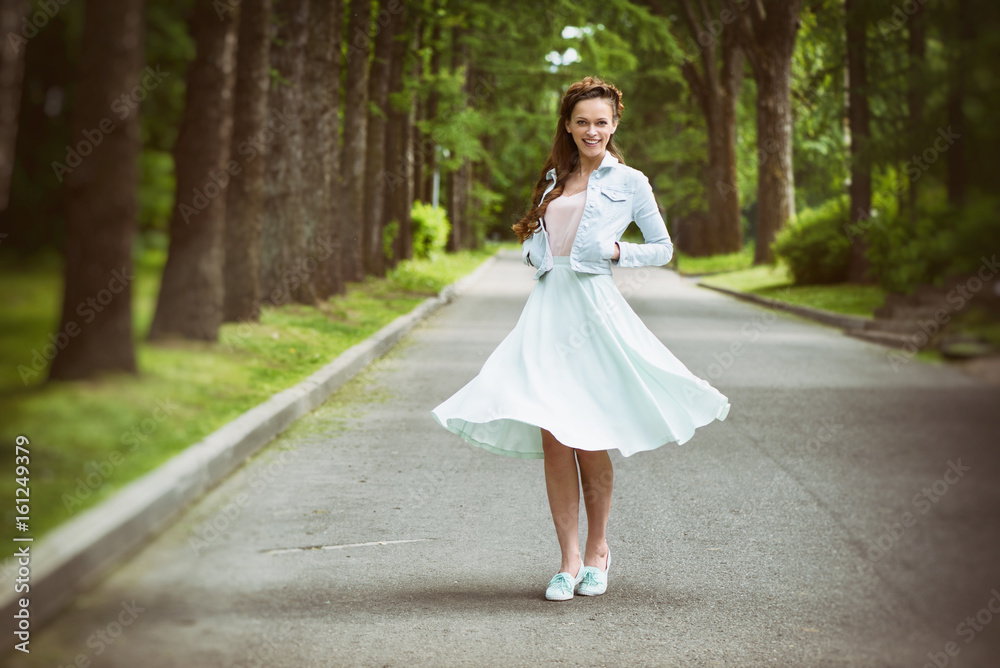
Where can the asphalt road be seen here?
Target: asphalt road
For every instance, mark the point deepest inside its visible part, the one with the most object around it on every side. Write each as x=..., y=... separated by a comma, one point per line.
x=845, y=514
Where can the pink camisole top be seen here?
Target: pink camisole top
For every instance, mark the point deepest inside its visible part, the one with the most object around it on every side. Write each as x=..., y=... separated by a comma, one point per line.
x=562, y=218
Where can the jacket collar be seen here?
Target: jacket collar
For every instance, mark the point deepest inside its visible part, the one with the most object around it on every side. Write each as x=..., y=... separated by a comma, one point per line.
x=609, y=162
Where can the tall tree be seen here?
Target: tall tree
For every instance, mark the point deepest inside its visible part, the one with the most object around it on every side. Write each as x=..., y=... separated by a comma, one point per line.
x=767, y=30
x=858, y=121
x=191, y=291
x=428, y=152
x=916, y=90
x=321, y=124
x=355, y=137
x=459, y=178
x=400, y=176
x=245, y=196
x=101, y=212
x=11, y=74
x=375, y=163
x=716, y=87
x=283, y=237
x=962, y=34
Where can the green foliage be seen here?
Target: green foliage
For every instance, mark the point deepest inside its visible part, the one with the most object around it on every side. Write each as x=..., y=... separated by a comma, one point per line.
x=197, y=387
x=943, y=241
x=430, y=229
x=814, y=245
x=389, y=235
x=713, y=264
x=775, y=282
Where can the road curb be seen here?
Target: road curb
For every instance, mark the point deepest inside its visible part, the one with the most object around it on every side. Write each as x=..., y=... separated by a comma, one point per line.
x=826, y=317
x=78, y=554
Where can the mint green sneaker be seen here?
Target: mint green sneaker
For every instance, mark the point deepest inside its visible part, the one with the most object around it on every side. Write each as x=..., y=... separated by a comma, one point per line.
x=594, y=581
x=561, y=585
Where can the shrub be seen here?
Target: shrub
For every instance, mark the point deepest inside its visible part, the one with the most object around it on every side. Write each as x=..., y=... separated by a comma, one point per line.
x=943, y=241
x=430, y=229
x=814, y=245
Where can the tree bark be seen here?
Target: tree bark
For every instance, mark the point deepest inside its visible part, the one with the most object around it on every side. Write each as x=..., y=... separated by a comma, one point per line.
x=284, y=257
x=375, y=160
x=857, y=112
x=95, y=334
x=717, y=88
x=355, y=137
x=767, y=30
x=460, y=180
x=916, y=91
x=191, y=292
x=398, y=174
x=11, y=77
x=428, y=153
x=321, y=123
x=245, y=196
x=963, y=33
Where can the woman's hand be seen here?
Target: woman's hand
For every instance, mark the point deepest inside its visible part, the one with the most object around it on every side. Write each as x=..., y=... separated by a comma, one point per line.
x=616, y=253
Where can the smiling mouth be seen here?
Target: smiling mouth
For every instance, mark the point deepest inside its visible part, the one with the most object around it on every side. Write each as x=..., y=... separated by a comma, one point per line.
x=594, y=142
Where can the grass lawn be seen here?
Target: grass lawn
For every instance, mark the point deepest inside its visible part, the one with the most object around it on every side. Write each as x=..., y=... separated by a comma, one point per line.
x=775, y=282
x=714, y=264
x=88, y=439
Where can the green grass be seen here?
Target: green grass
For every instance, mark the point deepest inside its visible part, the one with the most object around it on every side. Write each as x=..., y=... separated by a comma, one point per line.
x=775, y=282
x=88, y=439
x=714, y=264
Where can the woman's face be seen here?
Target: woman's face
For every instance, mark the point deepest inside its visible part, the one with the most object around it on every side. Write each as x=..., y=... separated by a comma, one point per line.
x=591, y=125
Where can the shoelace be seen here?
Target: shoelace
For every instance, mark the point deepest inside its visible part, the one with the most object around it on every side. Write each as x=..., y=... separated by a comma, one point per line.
x=590, y=579
x=563, y=582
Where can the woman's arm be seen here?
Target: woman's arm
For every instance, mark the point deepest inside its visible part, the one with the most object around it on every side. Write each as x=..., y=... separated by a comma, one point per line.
x=658, y=248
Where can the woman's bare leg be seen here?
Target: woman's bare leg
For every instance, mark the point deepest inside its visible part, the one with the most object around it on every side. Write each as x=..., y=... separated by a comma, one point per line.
x=597, y=476
x=562, y=485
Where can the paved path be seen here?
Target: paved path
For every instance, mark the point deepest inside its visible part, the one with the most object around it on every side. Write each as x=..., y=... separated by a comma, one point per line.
x=823, y=523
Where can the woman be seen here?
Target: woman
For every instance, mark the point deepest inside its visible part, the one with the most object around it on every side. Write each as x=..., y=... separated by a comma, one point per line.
x=580, y=373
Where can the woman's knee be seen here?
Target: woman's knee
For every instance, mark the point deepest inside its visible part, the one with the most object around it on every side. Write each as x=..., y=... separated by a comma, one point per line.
x=551, y=446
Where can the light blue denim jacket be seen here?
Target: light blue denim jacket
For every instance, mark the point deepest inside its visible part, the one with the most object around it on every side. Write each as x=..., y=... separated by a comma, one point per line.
x=616, y=195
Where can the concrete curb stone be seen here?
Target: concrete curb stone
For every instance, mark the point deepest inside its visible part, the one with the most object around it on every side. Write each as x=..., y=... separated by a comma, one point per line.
x=76, y=555
x=826, y=317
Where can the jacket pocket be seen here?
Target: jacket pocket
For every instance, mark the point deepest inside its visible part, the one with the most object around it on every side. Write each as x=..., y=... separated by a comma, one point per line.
x=614, y=194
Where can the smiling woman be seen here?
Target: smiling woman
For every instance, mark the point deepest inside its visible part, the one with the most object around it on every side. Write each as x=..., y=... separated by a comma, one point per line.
x=580, y=373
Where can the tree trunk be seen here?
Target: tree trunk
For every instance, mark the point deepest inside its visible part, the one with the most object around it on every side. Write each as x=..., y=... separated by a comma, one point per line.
x=767, y=32
x=916, y=91
x=321, y=124
x=429, y=149
x=11, y=76
x=417, y=136
x=95, y=334
x=284, y=263
x=355, y=138
x=398, y=179
x=857, y=113
x=245, y=197
x=191, y=292
x=963, y=32
x=460, y=180
x=717, y=91
x=375, y=160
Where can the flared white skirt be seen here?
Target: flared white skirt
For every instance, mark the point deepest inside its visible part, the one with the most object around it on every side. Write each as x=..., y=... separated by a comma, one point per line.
x=581, y=364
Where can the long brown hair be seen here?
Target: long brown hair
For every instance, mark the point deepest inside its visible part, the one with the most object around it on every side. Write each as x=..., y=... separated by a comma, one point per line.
x=565, y=156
